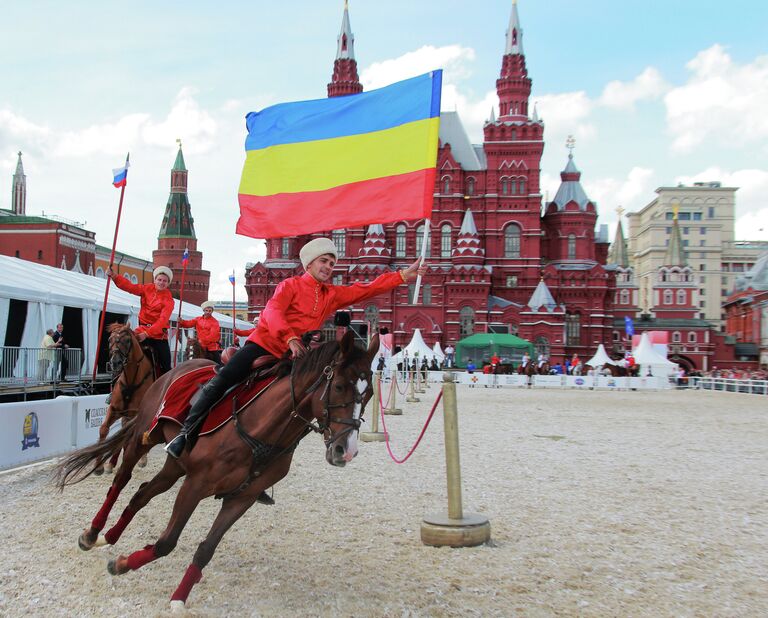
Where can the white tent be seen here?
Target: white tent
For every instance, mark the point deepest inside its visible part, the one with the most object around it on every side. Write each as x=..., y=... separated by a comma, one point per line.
x=415, y=349
x=47, y=290
x=650, y=359
x=438, y=352
x=600, y=358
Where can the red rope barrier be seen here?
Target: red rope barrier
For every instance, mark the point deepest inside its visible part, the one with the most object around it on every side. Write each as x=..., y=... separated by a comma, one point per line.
x=421, y=435
x=407, y=382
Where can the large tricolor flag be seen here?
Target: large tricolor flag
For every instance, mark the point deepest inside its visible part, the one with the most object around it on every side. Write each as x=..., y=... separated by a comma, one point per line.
x=341, y=162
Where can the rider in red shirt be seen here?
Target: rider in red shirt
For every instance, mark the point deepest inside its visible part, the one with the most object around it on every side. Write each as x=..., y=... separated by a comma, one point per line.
x=299, y=304
x=155, y=313
x=208, y=331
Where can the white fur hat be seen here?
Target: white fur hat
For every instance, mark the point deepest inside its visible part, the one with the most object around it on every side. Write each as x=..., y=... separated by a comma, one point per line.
x=315, y=248
x=207, y=304
x=163, y=270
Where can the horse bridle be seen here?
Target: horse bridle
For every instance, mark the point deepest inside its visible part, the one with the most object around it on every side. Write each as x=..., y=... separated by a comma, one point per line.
x=131, y=386
x=323, y=427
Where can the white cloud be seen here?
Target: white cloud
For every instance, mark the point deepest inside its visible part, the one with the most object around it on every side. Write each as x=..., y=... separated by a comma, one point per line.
x=453, y=59
x=566, y=114
x=112, y=138
x=722, y=101
x=187, y=121
x=631, y=192
x=16, y=132
x=623, y=95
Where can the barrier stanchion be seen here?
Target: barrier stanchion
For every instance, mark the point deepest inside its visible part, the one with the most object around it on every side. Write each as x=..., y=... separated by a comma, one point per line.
x=420, y=388
x=393, y=409
x=412, y=398
x=374, y=435
x=456, y=528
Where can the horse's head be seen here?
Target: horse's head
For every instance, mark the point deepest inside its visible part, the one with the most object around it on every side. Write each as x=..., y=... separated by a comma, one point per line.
x=339, y=395
x=121, y=344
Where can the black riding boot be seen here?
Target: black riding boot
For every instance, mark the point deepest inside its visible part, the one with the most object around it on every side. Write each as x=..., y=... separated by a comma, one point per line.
x=209, y=394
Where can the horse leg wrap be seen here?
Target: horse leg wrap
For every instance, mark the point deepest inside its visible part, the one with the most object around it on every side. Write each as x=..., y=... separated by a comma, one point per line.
x=114, y=459
x=100, y=520
x=139, y=558
x=191, y=577
x=114, y=533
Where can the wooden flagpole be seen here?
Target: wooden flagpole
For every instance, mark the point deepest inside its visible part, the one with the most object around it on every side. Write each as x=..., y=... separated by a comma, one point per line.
x=109, y=280
x=184, y=261
x=423, y=254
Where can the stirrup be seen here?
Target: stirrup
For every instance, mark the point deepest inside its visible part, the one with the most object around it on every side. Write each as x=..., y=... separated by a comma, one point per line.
x=175, y=447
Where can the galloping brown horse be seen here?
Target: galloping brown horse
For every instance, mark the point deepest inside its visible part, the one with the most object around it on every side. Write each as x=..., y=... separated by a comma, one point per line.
x=132, y=375
x=326, y=392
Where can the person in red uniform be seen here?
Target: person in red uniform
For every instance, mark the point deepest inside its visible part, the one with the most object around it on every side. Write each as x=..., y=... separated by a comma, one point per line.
x=155, y=313
x=208, y=331
x=299, y=304
x=246, y=332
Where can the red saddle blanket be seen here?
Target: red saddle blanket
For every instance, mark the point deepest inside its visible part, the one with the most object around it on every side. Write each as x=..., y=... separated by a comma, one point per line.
x=176, y=403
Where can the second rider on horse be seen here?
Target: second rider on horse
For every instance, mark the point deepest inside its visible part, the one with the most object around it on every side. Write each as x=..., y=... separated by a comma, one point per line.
x=299, y=305
x=208, y=331
x=155, y=312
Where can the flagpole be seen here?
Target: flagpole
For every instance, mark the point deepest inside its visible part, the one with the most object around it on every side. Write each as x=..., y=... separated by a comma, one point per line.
x=232, y=279
x=109, y=280
x=184, y=261
x=423, y=254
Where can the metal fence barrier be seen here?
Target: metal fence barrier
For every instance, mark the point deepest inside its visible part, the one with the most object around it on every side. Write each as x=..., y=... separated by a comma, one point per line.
x=22, y=367
x=726, y=385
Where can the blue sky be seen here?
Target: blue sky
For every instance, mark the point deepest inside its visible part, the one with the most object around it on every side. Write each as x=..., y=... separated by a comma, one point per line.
x=656, y=93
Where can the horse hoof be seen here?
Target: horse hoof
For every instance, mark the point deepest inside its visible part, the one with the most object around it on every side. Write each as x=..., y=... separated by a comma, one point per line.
x=142, y=462
x=101, y=541
x=108, y=468
x=98, y=471
x=85, y=542
x=177, y=606
x=114, y=566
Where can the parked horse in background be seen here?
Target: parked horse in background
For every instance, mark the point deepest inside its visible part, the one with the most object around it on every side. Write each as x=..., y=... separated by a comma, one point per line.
x=193, y=349
x=325, y=391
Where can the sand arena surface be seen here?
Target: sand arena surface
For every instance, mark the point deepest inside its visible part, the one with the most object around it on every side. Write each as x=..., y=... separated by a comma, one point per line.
x=601, y=504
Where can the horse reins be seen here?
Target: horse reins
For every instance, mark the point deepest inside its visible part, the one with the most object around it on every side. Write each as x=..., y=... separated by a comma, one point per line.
x=129, y=389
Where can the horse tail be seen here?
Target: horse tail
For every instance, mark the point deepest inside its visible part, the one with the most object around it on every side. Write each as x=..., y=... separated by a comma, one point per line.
x=70, y=471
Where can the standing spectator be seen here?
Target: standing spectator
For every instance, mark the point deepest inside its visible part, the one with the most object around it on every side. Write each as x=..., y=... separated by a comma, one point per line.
x=449, y=352
x=46, y=355
x=62, y=364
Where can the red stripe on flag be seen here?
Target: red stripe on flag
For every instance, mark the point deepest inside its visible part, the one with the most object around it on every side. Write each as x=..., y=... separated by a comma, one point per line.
x=396, y=198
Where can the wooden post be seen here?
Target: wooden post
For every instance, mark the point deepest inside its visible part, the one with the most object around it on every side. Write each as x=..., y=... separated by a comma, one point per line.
x=393, y=409
x=456, y=528
x=374, y=435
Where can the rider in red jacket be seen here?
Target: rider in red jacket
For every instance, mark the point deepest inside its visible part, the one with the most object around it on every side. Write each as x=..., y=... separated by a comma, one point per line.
x=299, y=304
x=208, y=331
x=155, y=313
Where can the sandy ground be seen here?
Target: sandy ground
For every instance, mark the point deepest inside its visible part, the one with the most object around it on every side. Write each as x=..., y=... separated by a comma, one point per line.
x=601, y=504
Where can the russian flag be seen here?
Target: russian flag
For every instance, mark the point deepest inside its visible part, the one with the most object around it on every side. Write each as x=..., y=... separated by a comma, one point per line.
x=232, y=278
x=120, y=175
x=185, y=256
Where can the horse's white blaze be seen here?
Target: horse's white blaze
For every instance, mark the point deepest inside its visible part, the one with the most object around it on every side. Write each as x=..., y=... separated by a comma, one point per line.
x=351, y=450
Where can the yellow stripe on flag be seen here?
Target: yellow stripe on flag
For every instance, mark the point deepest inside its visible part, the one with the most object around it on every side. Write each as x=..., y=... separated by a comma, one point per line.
x=324, y=164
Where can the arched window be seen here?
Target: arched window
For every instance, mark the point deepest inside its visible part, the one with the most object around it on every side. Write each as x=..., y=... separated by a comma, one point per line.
x=571, y=247
x=542, y=346
x=134, y=279
x=100, y=273
x=127, y=276
x=676, y=337
x=681, y=297
x=400, y=241
x=470, y=186
x=692, y=338
x=285, y=247
x=445, y=241
x=522, y=186
x=372, y=317
x=466, y=321
x=667, y=297
x=512, y=241
x=339, y=238
x=39, y=255
x=419, y=240
x=616, y=336
x=624, y=297
x=446, y=180
x=513, y=186
x=504, y=185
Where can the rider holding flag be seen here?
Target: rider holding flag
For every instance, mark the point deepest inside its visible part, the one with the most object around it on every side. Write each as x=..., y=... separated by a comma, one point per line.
x=299, y=304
